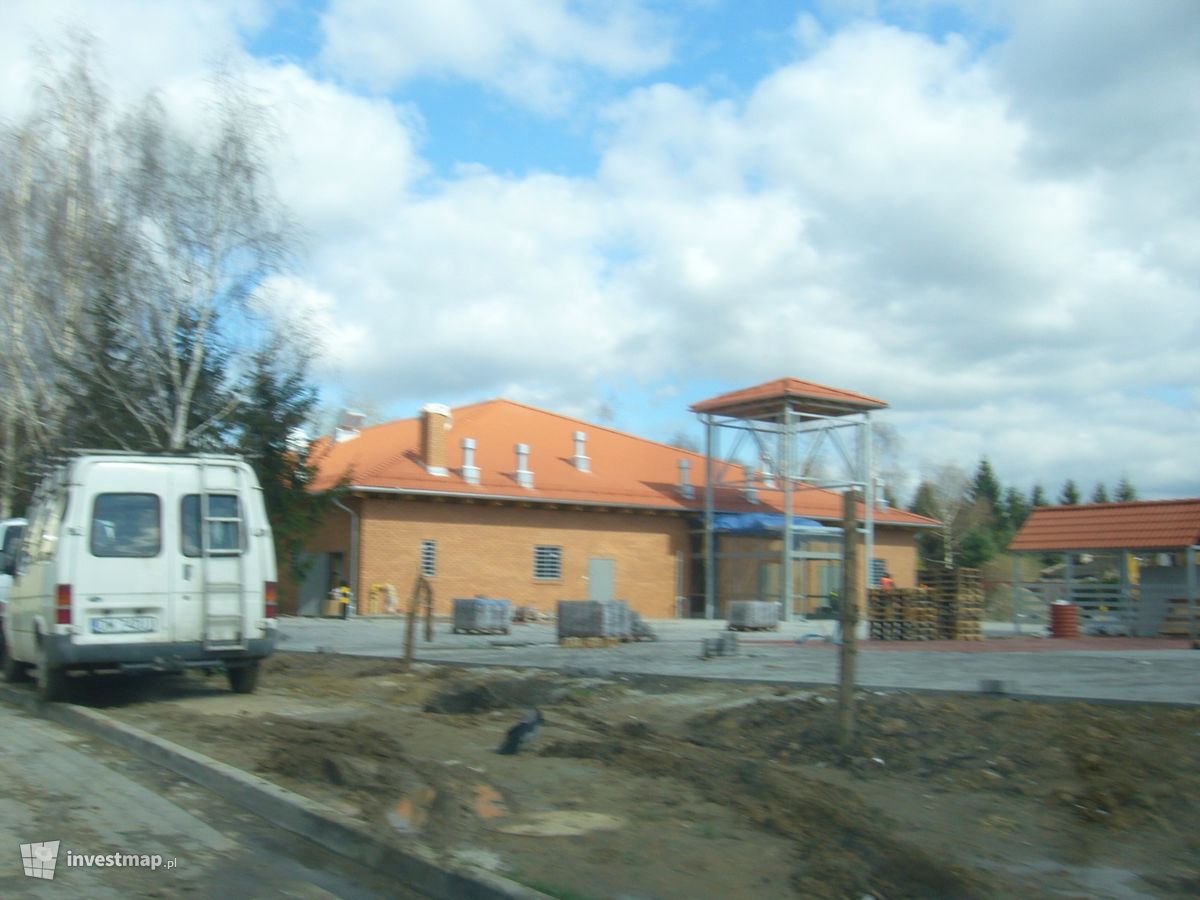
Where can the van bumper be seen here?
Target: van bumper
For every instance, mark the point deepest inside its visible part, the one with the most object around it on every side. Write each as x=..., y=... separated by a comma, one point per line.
x=173, y=657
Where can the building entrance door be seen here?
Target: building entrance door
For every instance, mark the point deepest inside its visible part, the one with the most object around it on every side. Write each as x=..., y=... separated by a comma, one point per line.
x=602, y=579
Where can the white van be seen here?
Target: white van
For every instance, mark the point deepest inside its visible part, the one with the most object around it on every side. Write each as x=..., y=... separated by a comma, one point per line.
x=154, y=563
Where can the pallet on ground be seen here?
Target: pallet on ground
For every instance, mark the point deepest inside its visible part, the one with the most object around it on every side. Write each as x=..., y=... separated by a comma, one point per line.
x=589, y=642
x=481, y=630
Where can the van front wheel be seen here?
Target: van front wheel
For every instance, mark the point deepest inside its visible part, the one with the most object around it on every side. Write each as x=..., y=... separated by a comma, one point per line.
x=51, y=681
x=243, y=679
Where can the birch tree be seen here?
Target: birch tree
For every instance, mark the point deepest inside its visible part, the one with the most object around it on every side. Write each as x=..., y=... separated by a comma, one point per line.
x=51, y=221
x=130, y=251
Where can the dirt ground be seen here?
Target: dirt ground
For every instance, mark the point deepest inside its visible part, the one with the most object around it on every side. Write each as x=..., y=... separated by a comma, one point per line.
x=643, y=787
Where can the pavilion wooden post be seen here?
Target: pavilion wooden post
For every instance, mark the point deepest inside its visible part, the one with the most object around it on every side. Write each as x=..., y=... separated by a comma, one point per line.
x=848, y=655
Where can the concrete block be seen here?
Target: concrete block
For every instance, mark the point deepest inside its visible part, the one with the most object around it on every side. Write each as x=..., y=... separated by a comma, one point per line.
x=594, y=618
x=755, y=614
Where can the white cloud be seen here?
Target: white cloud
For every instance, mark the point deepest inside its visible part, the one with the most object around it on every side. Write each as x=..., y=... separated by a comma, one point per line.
x=532, y=51
x=142, y=46
x=345, y=162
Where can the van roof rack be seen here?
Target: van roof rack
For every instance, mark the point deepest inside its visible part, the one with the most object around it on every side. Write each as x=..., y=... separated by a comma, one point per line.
x=73, y=452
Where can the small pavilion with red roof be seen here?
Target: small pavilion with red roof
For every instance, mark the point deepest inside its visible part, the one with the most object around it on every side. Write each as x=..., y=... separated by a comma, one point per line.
x=1155, y=543
x=783, y=434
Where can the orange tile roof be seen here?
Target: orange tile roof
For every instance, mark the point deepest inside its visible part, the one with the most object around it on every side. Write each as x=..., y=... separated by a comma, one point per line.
x=626, y=471
x=806, y=396
x=1142, y=525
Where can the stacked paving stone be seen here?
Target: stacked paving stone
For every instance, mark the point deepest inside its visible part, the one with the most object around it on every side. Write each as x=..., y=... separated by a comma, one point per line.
x=480, y=615
x=753, y=615
x=901, y=614
x=594, y=623
x=958, y=594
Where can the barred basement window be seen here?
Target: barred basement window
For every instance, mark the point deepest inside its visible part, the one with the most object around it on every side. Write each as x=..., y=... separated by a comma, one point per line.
x=429, y=558
x=547, y=563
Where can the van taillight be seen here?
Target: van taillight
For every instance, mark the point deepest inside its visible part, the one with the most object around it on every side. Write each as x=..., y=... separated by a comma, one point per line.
x=271, y=597
x=63, y=605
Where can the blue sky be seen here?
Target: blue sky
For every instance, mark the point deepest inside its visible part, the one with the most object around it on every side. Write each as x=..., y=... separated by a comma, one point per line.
x=983, y=211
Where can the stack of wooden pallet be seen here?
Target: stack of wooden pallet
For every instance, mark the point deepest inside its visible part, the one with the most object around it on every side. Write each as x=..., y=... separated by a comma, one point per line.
x=1176, y=622
x=958, y=596
x=901, y=615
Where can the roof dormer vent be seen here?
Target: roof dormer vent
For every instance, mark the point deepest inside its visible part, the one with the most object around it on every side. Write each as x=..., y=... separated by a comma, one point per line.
x=524, y=475
x=349, y=424
x=581, y=461
x=685, y=480
x=470, y=471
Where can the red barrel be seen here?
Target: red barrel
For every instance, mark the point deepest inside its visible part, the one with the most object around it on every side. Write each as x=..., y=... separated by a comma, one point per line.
x=1064, y=620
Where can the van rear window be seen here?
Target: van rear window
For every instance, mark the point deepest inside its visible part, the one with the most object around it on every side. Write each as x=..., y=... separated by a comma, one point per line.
x=224, y=525
x=127, y=525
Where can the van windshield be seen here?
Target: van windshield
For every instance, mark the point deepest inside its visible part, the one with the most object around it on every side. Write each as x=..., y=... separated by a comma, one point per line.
x=224, y=525
x=126, y=525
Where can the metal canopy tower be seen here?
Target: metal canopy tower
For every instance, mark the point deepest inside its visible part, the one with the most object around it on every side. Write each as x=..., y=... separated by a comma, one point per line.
x=788, y=427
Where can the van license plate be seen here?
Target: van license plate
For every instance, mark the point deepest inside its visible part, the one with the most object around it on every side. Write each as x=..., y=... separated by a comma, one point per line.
x=122, y=624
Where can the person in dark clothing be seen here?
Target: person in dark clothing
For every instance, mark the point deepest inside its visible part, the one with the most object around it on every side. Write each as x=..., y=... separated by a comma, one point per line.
x=521, y=733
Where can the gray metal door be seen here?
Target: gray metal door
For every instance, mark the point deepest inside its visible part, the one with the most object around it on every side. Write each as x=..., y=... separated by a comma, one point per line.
x=602, y=579
x=315, y=589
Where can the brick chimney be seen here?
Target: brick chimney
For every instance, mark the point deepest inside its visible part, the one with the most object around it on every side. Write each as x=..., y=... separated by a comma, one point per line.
x=435, y=423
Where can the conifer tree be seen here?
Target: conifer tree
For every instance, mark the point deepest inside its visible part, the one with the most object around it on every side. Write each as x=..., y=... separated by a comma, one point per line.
x=277, y=401
x=1069, y=495
x=1126, y=493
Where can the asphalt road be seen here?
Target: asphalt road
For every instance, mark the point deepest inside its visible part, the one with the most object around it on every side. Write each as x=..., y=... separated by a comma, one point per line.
x=97, y=800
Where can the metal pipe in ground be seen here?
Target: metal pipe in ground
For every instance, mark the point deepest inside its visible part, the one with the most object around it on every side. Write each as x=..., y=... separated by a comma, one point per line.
x=848, y=653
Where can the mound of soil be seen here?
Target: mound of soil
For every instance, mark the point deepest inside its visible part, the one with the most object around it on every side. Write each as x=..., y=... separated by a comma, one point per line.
x=1115, y=765
x=502, y=693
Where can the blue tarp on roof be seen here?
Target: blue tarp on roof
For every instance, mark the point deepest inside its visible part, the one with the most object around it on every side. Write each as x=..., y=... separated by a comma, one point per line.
x=751, y=523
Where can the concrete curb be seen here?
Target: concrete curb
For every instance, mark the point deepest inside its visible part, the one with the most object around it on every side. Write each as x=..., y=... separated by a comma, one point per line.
x=417, y=867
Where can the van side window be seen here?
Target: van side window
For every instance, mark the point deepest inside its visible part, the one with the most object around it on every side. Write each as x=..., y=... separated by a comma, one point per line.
x=13, y=536
x=127, y=525
x=224, y=525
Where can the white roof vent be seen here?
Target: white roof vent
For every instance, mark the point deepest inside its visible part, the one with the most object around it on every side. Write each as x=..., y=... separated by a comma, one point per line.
x=349, y=424
x=524, y=475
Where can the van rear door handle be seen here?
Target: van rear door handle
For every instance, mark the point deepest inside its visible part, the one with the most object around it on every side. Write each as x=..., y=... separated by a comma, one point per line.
x=187, y=572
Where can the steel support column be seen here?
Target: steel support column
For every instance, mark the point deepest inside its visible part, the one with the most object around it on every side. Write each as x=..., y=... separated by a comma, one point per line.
x=710, y=556
x=789, y=520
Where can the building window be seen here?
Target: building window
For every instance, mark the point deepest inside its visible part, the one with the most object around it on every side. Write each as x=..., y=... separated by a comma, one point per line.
x=547, y=563
x=878, y=570
x=429, y=558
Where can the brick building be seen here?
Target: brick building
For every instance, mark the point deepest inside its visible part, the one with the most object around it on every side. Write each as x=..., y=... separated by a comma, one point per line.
x=500, y=499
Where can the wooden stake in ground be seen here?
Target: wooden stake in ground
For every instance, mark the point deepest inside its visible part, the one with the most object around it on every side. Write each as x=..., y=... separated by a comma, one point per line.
x=848, y=655
x=428, y=611
x=421, y=588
